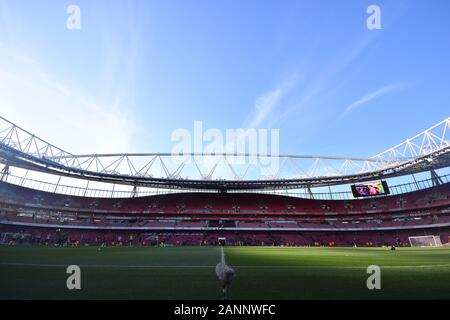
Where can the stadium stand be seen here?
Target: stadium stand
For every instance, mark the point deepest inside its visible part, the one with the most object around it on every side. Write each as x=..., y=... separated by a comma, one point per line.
x=37, y=217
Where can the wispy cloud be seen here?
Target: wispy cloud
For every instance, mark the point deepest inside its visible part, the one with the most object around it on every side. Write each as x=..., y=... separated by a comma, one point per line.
x=318, y=83
x=44, y=100
x=267, y=102
x=372, y=96
x=39, y=101
x=119, y=47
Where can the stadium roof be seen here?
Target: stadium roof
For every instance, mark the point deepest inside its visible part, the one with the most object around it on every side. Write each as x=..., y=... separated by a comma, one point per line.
x=427, y=150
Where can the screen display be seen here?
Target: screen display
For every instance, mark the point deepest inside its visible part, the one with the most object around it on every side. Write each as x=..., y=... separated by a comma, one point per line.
x=370, y=189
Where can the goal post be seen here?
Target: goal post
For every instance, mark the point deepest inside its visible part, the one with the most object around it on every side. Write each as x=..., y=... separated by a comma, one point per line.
x=425, y=241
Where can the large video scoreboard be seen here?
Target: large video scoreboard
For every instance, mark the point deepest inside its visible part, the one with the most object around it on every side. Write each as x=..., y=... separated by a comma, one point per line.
x=370, y=189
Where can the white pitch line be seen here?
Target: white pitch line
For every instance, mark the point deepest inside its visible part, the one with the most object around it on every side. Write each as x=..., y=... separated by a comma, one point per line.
x=347, y=267
x=18, y=264
x=222, y=255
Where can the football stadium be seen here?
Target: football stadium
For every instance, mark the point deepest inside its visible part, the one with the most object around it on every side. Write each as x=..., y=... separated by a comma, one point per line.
x=229, y=154
x=280, y=238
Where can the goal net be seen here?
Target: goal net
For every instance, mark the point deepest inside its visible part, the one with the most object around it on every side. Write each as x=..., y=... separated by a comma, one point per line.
x=425, y=241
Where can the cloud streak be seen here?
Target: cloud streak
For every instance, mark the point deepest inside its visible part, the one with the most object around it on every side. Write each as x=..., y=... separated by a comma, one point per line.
x=372, y=96
x=64, y=115
x=267, y=102
x=80, y=120
x=319, y=83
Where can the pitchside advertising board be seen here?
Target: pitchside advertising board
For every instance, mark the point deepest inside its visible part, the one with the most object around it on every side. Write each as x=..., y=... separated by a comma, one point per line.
x=371, y=189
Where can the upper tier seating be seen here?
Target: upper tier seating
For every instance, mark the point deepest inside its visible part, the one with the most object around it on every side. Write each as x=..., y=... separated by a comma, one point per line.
x=225, y=203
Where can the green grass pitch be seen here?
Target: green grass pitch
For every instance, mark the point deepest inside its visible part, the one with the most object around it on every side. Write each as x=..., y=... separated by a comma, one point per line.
x=188, y=273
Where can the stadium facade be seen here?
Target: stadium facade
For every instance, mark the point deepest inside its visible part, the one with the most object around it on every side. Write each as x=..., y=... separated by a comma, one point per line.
x=51, y=196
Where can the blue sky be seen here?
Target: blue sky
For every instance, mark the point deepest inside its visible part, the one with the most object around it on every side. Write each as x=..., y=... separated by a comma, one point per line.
x=138, y=70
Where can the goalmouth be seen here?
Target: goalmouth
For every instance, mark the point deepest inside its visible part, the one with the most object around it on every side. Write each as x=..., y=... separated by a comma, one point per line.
x=425, y=241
